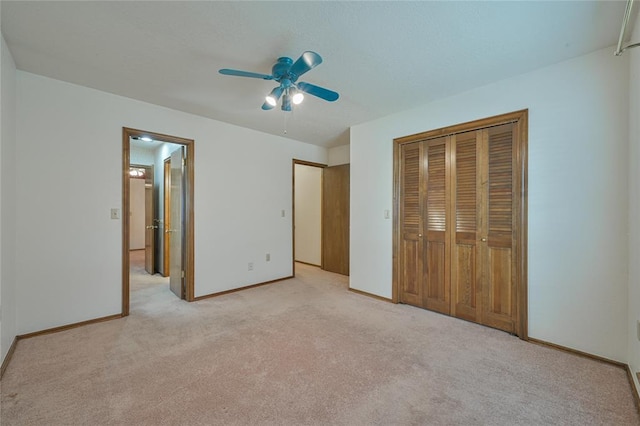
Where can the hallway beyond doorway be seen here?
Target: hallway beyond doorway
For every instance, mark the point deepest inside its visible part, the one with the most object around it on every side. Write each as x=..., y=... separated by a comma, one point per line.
x=146, y=290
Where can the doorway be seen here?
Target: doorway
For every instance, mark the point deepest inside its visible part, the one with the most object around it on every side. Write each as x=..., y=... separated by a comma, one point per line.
x=307, y=218
x=181, y=169
x=321, y=207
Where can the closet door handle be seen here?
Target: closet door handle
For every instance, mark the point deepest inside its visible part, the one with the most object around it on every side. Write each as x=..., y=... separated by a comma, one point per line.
x=484, y=240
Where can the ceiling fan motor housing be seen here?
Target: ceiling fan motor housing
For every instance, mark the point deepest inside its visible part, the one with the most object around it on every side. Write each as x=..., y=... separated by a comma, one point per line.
x=281, y=69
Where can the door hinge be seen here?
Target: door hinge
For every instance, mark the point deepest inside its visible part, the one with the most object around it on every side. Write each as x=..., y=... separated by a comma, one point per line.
x=182, y=274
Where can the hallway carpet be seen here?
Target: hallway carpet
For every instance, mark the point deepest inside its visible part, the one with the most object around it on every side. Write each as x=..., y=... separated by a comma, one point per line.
x=304, y=351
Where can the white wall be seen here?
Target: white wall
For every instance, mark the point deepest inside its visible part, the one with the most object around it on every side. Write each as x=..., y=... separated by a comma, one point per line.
x=242, y=182
x=308, y=220
x=143, y=157
x=136, y=214
x=339, y=155
x=634, y=204
x=578, y=146
x=8, y=329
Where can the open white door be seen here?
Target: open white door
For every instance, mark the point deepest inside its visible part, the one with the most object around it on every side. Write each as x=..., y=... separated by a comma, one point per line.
x=176, y=279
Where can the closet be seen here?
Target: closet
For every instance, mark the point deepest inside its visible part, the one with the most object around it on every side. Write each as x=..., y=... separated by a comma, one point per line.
x=460, y=221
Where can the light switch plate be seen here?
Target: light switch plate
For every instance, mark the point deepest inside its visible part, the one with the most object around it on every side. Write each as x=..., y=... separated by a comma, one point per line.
x=115, y=214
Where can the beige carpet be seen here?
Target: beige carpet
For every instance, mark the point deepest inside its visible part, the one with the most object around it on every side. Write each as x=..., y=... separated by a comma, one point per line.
x=301, y=352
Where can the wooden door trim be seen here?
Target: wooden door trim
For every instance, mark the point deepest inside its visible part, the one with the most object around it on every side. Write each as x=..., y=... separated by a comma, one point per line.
x=293, y=211
x=520, y=119
x=128, y=133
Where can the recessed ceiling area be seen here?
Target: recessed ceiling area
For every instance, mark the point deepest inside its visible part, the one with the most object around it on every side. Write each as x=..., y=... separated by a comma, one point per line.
x=382, y=57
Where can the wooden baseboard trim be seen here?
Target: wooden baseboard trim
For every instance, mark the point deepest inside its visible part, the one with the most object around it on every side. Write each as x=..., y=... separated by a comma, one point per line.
x=634, y=389
x=577, y=352
x=234, y=290
x=7, y=359
x=68, y=326
x=626, y=367
x=374, y=296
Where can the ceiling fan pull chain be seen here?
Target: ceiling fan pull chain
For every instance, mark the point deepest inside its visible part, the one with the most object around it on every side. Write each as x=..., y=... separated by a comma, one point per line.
x=286, y=116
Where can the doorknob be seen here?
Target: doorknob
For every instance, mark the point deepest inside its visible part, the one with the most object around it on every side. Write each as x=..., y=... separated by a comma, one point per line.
x=483, y=239
x=151, y=227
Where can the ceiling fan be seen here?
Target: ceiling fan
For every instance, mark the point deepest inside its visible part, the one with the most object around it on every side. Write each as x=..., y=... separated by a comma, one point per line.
x=286, y=72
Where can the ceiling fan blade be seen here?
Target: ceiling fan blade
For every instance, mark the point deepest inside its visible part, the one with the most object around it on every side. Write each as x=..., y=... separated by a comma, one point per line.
x=305, y=62
x=320, y=92
x=238, y=73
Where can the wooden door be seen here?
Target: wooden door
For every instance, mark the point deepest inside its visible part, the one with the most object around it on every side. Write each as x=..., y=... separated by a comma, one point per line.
x=435, y=248
x=499, y=204
x=410, y=245
x=484, y=266
x=335, y=219
x=176, y=276
x=424, y=254
x=460, y=233
x=465, y=259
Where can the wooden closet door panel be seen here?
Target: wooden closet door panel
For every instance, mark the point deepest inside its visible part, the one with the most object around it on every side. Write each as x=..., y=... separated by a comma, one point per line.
x=435, y=256
x=335, y=219
x=410, y=215
x=499, y=301
x=465, y=273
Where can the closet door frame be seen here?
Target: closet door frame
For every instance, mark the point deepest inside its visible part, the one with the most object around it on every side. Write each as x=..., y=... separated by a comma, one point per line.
x=520, y=121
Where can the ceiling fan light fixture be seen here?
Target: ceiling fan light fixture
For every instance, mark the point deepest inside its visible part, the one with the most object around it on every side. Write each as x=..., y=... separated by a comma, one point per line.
x=297, y=98
x=286, y=102
x=271, y=100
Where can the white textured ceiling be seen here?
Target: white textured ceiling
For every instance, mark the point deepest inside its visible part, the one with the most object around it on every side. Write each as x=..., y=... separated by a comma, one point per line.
x=382, y=57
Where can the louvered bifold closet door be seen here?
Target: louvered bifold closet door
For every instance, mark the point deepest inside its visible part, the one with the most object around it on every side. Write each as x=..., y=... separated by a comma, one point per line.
x=410, y=215
x=499, y=268
x=435, y=256
x=465, y=256
x=460, y=225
